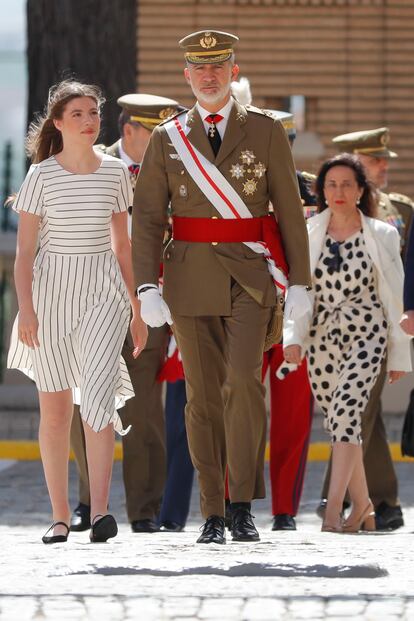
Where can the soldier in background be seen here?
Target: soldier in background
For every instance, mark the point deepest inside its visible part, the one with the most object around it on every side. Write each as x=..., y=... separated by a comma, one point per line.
x=291, y=400
x=144, y=453
x=371, y=147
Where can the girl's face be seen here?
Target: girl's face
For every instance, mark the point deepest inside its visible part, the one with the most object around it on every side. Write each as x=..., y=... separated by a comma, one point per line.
x=80, y=121
x=341, y=189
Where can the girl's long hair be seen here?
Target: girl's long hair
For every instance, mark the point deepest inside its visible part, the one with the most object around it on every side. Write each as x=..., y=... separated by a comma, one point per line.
x=43, y=138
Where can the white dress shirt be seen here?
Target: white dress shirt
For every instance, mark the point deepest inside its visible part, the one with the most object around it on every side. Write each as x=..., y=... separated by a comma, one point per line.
x=224, y=112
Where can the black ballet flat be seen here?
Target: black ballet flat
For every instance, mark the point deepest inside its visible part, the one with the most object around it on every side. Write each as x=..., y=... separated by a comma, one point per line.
x=103, y=529
x=56, y=538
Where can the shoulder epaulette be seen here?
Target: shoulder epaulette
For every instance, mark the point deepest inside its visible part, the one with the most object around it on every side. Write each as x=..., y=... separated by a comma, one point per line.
x=172, y=116
x=308, y=176
x=401, y=198
x=251, y=108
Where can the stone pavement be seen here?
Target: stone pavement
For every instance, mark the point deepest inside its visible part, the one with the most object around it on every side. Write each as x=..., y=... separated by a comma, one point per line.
x=293, y=575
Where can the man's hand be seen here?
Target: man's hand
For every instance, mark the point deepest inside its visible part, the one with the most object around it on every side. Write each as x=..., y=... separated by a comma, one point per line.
x=154, y=311
x=298, y=302
x=407, y=322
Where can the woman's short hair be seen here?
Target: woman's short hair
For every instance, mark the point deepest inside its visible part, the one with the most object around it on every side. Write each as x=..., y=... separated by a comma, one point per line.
x=367, y=203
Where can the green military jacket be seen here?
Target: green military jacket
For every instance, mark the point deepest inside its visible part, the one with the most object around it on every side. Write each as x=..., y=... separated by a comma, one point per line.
x=255, y=158
x=397, y=209
x=156, y=336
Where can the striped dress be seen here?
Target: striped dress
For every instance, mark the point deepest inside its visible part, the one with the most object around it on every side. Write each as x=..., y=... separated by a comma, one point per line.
x=79, y=295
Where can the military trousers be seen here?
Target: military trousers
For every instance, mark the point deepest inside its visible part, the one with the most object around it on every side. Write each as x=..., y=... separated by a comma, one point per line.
x=379, y=468
x=291, y=413
x=225, y=413
x=180, y=472
x=144, y=451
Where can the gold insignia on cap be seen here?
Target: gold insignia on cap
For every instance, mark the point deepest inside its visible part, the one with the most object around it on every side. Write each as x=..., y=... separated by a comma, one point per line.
x=166, y=112
x=385, y=138
x=208, y=41
x=250, y=187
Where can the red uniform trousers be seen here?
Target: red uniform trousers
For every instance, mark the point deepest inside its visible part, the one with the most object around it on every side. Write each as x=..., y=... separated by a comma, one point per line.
x=291, y=410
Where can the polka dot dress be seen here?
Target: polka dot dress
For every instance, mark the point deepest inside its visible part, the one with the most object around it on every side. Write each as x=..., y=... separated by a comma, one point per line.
x=348, y=336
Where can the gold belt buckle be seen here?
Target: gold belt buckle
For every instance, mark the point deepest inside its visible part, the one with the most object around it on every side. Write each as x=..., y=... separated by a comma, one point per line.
x=214, y=218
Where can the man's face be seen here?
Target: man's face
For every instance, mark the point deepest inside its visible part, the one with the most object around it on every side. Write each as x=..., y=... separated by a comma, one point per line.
x=376, y=169
x=210, y=83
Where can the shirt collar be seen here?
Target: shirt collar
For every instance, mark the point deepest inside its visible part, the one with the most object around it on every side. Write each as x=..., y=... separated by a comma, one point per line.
x=225, y=110
x=124, y=156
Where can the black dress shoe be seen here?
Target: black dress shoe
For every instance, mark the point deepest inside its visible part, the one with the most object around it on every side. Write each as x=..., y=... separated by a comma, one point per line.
x=103, y=528
x=283, y=521
x=81, y=518
x=144, y=526
x=56, y=538
x=168, y=526
x=387, y=517
x=242, y=525
x=214, y=530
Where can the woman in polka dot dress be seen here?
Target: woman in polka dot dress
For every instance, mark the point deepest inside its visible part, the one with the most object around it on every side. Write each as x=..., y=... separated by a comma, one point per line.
x=357, y=278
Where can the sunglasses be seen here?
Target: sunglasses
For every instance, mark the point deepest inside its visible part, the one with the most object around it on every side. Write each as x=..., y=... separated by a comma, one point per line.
x=334, y=262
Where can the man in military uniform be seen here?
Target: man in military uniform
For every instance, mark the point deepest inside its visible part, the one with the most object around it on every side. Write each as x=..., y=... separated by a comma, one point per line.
x=218, y=165
x=371, y=148
x=144, y=458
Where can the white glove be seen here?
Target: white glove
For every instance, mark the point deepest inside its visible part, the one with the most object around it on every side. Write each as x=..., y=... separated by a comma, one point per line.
x=154, y=311
x=298, y=302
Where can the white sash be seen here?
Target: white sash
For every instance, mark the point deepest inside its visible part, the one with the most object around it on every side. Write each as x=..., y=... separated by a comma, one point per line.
x=219, y=192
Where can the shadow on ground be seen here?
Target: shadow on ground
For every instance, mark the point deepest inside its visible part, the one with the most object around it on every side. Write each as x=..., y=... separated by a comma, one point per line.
x=247, y=570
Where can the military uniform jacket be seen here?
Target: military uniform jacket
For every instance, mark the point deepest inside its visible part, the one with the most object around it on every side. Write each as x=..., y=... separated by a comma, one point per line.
x=156, y=336
x=256, y=159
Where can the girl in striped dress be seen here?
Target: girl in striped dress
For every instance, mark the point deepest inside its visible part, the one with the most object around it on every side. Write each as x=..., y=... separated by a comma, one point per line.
x=75, y=295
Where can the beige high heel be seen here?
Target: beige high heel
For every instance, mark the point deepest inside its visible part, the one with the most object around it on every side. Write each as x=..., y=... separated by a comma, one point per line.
x=329, y=528
x=365, y=521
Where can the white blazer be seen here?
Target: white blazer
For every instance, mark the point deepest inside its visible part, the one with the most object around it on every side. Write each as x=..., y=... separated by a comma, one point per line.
x=382, y=242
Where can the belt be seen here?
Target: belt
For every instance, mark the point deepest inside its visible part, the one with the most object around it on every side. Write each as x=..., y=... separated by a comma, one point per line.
x=225, y=230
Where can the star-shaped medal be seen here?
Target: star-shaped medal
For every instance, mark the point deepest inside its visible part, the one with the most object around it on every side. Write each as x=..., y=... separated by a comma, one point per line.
x=237, y=170
x=247, y=157
x=249, y=187
x=259, y=170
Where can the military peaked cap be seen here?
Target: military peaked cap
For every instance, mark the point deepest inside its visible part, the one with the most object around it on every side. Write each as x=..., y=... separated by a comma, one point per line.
x=208, y=46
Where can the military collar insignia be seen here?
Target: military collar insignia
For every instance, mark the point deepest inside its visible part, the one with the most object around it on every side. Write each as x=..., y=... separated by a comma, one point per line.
x=190, y=118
